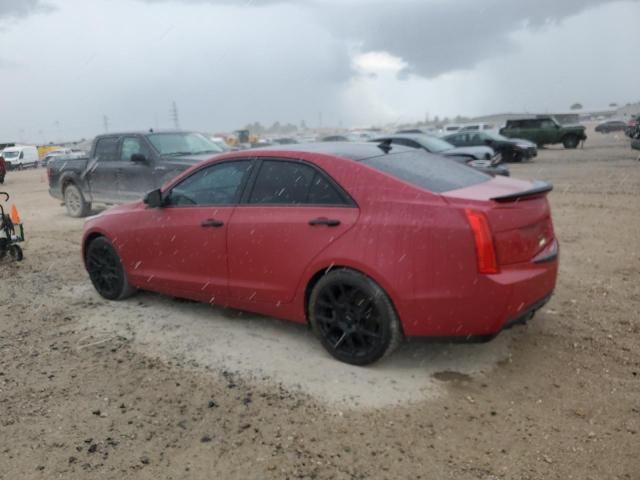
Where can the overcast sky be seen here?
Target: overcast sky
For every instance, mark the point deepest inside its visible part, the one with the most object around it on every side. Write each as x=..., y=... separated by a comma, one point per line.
x=65, y=64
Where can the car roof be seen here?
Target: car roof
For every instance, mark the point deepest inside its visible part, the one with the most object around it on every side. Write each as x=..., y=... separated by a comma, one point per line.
x=408, y=136
x=350, y=150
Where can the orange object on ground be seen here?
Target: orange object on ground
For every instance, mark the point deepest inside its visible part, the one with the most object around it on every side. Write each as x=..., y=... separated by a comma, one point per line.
x=15, y=216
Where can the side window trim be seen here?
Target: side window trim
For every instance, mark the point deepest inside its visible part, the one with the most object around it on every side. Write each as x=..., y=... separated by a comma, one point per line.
x=349, y=202
x=241, y=187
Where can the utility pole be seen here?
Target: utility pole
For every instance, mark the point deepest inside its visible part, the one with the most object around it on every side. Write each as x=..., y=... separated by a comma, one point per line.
x=105, y=122
x=174, y=116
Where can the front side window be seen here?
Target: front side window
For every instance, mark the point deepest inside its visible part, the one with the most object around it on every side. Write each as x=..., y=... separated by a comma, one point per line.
x=293, y=183
x=107, y=149
x=132, y=146
x=217, y=184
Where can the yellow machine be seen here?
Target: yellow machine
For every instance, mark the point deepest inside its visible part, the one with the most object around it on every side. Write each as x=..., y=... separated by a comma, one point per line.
x=44, y=149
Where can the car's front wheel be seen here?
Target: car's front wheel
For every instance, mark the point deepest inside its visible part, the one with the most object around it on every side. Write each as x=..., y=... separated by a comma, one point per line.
x=106, y=270
x=75, y=202
x=570, y=141
x=353, y=317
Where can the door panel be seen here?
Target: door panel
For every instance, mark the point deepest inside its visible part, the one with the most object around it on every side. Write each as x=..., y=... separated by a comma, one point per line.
x=270, y=247
x=102, y=173
x=176, y=254
x=134, y=178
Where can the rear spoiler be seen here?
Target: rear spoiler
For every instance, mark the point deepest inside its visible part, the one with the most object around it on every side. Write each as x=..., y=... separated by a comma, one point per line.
x=538, y=187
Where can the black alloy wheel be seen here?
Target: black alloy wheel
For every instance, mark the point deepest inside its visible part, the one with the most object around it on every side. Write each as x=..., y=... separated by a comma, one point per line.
x=353, y=318
x=106, y=270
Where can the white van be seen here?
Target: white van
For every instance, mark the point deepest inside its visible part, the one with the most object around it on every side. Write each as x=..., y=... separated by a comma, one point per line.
x=20, y=156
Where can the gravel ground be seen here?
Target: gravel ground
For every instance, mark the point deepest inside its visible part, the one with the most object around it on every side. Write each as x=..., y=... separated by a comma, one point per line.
x=158, y=388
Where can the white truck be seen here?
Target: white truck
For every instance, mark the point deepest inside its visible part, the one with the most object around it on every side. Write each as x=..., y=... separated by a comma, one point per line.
x=20, y=156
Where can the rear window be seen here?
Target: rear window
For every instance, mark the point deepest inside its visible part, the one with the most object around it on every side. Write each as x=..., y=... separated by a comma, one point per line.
x=431, y=172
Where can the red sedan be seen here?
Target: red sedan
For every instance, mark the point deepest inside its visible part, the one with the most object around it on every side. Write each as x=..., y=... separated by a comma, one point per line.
x=367, y=243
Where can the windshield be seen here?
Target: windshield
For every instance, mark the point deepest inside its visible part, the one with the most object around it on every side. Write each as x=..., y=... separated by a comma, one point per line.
x=11, y=154
x=178, y=143
x=434, y=144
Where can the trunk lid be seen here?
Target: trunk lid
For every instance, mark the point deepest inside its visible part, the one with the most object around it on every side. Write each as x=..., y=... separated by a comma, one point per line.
x=518, y=214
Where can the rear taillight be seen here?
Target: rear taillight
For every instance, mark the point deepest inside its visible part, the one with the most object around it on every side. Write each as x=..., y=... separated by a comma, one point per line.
x=485, y=250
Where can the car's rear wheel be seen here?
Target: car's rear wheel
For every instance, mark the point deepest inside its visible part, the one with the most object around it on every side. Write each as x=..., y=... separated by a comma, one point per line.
x=75, y=202
x=353, y=317
x=570, y=141
x=106, y=270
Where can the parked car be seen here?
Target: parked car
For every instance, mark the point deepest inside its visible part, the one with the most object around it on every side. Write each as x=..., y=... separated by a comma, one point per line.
x=632, y=126
x=511, y=149
x=285, y=141
x=3, y=168
x=62, y=152
x=481, y=158
x=379, y=244
x=123, y=167
x=611, y=126
x=20, y=156
x=450, y=128
x=543, y=130
x=477, y=126
x=335, y=138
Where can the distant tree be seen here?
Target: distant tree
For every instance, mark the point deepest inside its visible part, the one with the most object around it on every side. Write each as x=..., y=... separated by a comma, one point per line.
x=613, y=105
x=576, y=106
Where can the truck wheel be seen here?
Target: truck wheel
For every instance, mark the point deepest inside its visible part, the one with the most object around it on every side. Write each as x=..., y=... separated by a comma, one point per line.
x=76, y=205
x=570, y=141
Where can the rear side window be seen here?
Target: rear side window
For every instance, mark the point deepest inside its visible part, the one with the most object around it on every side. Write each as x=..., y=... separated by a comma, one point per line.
x=293, y=183
x=107, y=149
x=431, y=172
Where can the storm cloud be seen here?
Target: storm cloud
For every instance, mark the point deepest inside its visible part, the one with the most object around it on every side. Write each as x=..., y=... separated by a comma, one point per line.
x=325, y=62
x=432, y=37
x=22, y=8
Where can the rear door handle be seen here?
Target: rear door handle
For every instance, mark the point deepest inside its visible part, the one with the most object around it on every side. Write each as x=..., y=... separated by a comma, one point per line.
x=329, y=222
x=212, y=222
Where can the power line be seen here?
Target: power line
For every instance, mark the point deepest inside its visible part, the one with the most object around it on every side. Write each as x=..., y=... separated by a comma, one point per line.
x=174, y=116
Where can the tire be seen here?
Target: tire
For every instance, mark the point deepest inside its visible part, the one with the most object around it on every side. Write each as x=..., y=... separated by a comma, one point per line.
x=106, y=271
x=74, y=201
x=16, y=253
x=570, y=141
x=353, y=318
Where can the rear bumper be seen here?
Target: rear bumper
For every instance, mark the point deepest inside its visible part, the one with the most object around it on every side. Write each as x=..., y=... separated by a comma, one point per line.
x=527, y=314
x=484, y=307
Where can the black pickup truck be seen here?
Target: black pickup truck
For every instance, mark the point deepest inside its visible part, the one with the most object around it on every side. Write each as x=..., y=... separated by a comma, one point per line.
x=123, y=167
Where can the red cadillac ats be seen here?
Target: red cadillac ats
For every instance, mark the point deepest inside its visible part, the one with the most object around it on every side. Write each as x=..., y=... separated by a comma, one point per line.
x=367, y=243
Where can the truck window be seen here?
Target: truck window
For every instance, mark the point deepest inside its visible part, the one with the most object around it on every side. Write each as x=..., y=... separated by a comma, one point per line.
x=133, y=145
x=107, y=149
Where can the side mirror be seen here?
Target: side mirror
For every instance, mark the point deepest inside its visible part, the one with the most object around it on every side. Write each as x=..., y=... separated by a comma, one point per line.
x=138, y=158
x=154, y=198
x=487, y=142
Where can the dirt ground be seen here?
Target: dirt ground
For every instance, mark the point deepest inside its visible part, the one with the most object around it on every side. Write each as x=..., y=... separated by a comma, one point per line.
x=157, y=388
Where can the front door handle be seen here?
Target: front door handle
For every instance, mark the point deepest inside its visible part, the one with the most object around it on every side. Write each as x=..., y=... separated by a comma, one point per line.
x=212, y=222
x=329, y=222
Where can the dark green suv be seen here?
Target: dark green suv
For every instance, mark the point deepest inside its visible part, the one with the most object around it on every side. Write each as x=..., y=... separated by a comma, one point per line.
x=544, y=131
